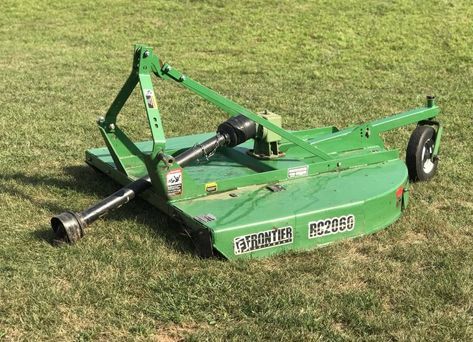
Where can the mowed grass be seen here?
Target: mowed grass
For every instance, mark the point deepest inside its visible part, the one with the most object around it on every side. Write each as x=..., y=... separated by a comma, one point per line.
x=316, y=63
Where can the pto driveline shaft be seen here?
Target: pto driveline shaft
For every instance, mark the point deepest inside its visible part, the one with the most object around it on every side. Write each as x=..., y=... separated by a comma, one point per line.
x=69, y=226
x=201, y=150
x=127, y=193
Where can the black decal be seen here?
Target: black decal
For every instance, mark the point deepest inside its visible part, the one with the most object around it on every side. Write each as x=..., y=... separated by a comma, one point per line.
x=283, y=234
x=330, y=226
x=350, y=222
x=274, y=235
x=267, y=238
x=327, y=227
x=334, y=225
x=289, y=233
x=260, y=239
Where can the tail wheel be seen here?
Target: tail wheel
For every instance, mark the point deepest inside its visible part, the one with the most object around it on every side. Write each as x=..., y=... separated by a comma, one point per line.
x=420, y=161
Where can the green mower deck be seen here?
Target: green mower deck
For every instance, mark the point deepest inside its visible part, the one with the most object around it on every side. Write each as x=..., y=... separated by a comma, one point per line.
x=305, y=213
x=253, y=189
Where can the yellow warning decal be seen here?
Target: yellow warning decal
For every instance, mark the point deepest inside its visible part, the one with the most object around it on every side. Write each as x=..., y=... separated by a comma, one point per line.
x=211, y=187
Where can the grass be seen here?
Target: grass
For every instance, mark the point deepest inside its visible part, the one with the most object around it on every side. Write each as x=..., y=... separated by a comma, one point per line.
x=316, y=63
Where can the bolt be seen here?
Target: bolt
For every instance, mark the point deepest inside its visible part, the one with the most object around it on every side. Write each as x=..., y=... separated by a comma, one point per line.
x=182, y=78
x=339, y=164
x=111, y=126
x=146, y=53
x=100, y=120
x=430, y=101
x=166, y=68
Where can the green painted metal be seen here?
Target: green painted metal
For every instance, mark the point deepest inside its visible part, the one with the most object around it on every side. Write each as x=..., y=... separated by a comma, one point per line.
x=366, y=192
x=438, y=137
x=266, y=143
x=233, y=108
x=331, y=184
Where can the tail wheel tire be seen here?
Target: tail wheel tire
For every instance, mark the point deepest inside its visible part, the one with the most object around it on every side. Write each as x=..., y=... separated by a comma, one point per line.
x=419, y=154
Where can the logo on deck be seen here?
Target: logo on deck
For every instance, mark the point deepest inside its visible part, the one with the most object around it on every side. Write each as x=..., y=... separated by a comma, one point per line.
x=267, y=239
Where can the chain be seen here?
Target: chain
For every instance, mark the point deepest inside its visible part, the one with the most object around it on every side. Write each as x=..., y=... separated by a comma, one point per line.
x=204, y=152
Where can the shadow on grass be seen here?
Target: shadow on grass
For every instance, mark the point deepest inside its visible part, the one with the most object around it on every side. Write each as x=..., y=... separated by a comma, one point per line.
x=86, y=181
x=45, y=233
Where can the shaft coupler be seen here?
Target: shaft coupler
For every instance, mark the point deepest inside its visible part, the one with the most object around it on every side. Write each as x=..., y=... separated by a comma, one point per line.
x=237, y=130
x=68, y=227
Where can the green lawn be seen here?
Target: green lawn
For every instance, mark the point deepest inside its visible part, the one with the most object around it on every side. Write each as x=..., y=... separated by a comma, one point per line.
x=315, y=63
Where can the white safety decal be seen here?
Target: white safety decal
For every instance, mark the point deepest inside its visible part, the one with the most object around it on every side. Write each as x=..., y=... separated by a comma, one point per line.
x=300, y=171
x=174, y=182
x=150, y=99
x=330, y=226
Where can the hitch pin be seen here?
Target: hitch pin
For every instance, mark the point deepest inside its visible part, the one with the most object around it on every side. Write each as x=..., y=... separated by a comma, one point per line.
x=167, y=159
